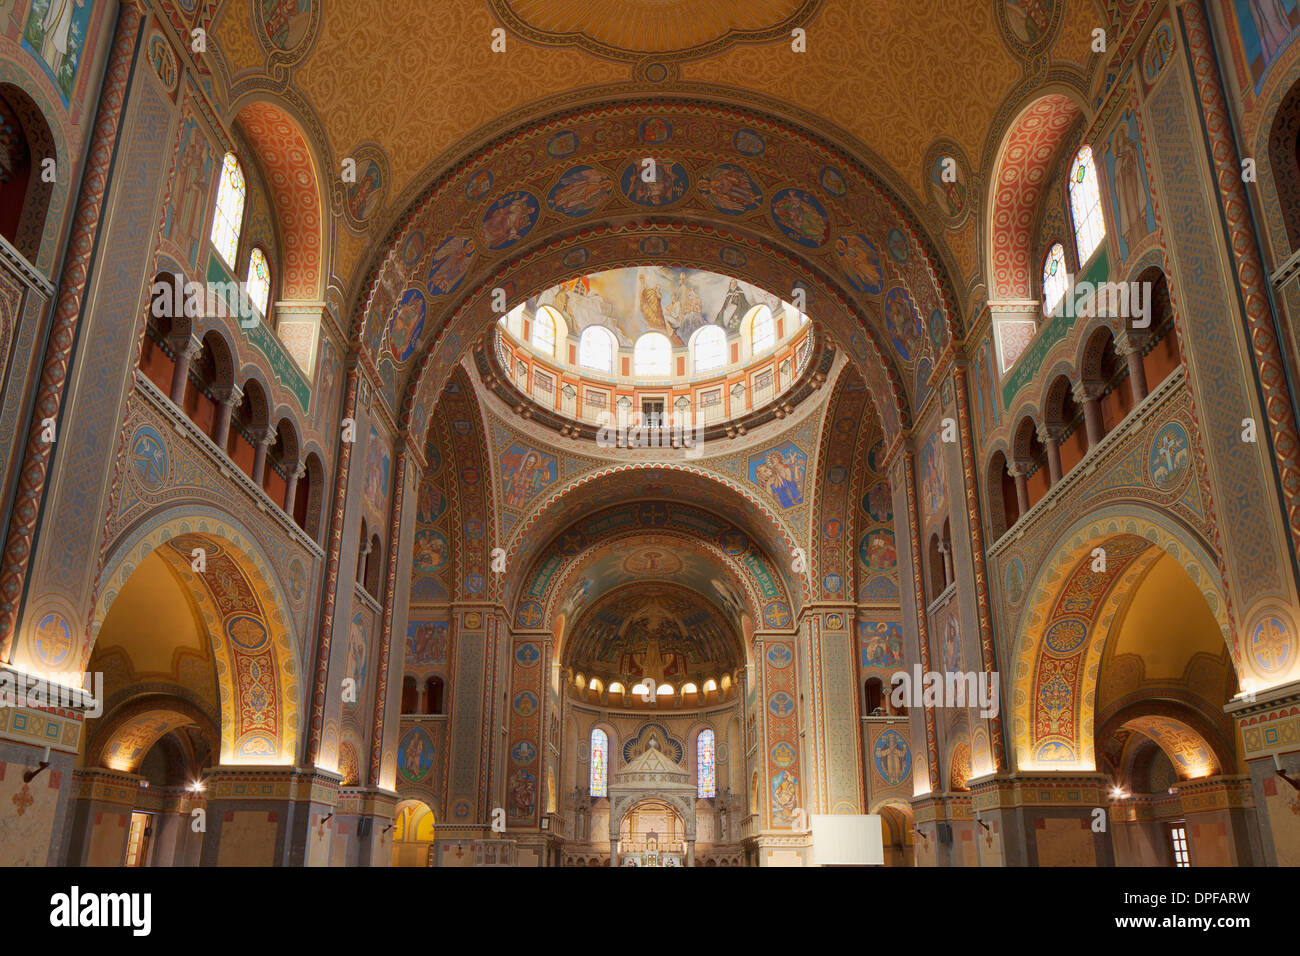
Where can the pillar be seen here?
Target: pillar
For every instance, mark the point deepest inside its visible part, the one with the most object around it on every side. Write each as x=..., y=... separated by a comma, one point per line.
x=263, y=438
x=100, y=816
x=291, y=488
x=945, y=549
x=1130, y=344
x=1050, y=436
x=184, y=348
x=1088, y=394
x=269, y=816
x=1019, y=470
x=227, y=398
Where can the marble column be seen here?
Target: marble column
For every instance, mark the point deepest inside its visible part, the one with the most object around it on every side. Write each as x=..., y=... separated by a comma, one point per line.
x=1088, y=394
x=1019, y=470
x=1130, y=344
x=184, y=348
x=263, y=439
x=1050, y=436
x=227, y=398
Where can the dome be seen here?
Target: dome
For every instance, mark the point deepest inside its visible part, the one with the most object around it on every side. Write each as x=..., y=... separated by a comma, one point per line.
x=654, y=345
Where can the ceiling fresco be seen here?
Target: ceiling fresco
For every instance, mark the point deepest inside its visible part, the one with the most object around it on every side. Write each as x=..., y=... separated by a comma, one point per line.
x=675, y=302
x=654, y=630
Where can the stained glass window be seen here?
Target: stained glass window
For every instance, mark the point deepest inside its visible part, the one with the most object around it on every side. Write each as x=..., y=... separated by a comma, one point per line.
x=599, y=762
x=259, y=280
x=706, y=785
x=1085, y=205
x=762, y=330
x=229, y=214
x=652, y=355
x=710, y=348
x=544, y=331
x=1055, y=281
x=596, y=349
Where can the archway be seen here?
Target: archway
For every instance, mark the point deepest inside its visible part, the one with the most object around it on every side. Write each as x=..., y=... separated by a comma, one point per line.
x=413, y=834
x=1079, y=600
x=469, y=238
x=244, y=614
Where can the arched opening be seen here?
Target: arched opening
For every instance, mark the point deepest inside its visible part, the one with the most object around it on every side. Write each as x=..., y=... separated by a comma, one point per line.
x=1004, y=505
x=374, y=566
x=413, y=834
x=873, y=697
x=433, y=703
x=25, y=145
x=410, y=695
x=934, y=560
x=307, y=501
x=1284, y=159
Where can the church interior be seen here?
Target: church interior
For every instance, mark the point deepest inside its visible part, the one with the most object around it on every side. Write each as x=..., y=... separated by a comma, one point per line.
x=657, y=433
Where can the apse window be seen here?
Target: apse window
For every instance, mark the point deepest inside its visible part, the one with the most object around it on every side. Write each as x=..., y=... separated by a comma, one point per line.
x=762, y=330
x=259, y=280
x=709, y=349
x=1178, y=842
x=652, y=355
x=1085, y=205
x=596, y=349
x=543, y=339
x=1055, y=281
x=599, y=763
x=652, y=412
x=229, y=213
x=706, y=784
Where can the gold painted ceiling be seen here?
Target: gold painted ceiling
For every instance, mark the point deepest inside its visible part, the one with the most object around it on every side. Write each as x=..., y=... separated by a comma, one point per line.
x=416, y=77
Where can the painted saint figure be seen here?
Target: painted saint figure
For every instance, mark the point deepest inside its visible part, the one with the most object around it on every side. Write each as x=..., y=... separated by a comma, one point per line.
x=1129, y=190
x=56, y=32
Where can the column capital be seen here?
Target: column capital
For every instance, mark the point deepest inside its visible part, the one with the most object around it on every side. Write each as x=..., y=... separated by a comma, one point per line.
x=263, y=434
x=1049, y=431
x=228, y=394
x=1087, y=391
x=1019, y=467
x=185, y=344
x=1130, y=340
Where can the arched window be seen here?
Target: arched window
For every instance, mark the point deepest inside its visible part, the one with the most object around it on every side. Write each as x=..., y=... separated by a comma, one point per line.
x=652, y=355
x=599, y=762
x=1055, y=281
x=543, y=339
x=596, y=349
x=705, y=783
x=709, y=348
x=1085, y=205
x=762, y=330
x=229, y=214
x=259, y=280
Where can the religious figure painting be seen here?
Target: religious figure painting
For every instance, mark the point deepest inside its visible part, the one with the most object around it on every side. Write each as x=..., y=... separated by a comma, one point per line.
x=406, y=325
x=378, y=465
x=780, y=472
x=415, y=755
x=188, y=210
x=524, y=472
x=934, y=487
x=860, y=262
x=881, y=643
x=1029, y=19
x=426, y=643
x=1129, y=189
x=730, y=189
x=1265, y=28
x=363, y=195
x=510, y=218
x=56, y=34
x=580, y=191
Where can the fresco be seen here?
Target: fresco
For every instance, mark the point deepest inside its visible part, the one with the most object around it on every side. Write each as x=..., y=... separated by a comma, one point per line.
x=524, y=472
x=780, y=471
x=426, y=643
x=378, y=467
x=415, y=755
x=881, y=643
x=1130, y=192
x=1265, y=28
x=934, y=489
x=56, y=34
x=676, y=302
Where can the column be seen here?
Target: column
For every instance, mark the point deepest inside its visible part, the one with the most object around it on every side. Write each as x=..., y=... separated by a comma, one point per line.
x=227, y=398
x=1019, y=470
x=184, y=348
x=1088, y=394
x=690, y=852
x=263, y=438
x=1130, y=344
x=945, y=548
x=291, y=488
x=1050, y=436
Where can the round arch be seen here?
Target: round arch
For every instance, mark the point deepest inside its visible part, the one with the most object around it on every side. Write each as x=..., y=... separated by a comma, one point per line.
x=1056, y=657
x=251, y=630
x=811, y=233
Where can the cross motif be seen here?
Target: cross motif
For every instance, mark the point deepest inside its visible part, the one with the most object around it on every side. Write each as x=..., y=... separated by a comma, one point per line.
x=23, y=799
x=653, y=515
x=1271, y=644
